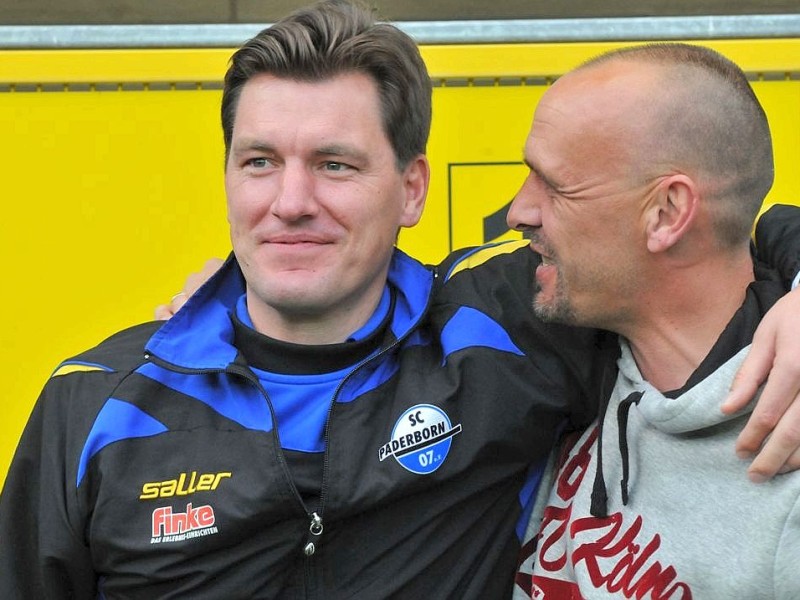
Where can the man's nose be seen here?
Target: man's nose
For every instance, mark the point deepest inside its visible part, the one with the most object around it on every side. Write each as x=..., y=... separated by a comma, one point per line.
x=296, y=196
x=525, y=212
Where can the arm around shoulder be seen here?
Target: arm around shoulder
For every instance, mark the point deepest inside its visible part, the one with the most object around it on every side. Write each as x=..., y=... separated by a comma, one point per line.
x=778, y=241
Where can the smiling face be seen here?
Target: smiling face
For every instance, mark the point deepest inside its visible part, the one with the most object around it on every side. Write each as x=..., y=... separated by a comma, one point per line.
x=583, y=202
x=315, y=201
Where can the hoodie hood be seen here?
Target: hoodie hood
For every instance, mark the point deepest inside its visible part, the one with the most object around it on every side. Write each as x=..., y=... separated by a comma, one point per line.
x=692, y=410
x=694, y=407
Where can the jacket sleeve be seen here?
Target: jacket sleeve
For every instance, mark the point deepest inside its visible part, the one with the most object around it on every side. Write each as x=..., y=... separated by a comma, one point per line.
x=778, y=241
x=499, y=279
x=42, y=548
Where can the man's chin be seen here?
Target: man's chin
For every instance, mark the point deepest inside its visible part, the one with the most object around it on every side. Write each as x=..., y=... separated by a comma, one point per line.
x=553, y=312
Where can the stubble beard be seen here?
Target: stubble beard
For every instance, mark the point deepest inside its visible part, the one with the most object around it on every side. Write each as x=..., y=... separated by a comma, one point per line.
x=558, y=309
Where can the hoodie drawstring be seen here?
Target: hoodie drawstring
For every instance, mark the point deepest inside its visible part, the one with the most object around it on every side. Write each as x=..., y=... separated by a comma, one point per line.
x=599, y=506
x=622, y=421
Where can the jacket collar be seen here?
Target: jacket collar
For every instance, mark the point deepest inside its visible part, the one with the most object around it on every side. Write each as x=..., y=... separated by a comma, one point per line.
x=200, y=335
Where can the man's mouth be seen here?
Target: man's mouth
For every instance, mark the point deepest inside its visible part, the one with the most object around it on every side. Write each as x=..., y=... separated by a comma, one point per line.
x=545, y=258
x=292, y=239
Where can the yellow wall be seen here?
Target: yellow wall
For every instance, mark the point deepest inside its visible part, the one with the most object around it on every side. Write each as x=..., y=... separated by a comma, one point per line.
x=113, y=193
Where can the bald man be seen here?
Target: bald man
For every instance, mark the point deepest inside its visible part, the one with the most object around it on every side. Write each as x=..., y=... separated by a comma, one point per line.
x=647, y=168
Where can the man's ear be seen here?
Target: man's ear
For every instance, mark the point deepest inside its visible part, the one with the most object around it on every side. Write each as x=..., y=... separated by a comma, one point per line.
x=416, y=177
x=672, y=212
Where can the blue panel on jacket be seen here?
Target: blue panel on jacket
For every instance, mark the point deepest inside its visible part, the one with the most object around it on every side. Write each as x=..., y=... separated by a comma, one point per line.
x=116, y=421
x=527, y=497
x=226, y=395
x=468, y=328
x=368, y=379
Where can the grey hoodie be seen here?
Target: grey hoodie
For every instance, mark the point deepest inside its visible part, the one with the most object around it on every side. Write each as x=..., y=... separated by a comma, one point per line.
x=693, y=526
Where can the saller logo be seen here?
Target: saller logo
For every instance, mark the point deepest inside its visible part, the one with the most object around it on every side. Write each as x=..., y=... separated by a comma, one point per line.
x=183, y=485
x=421, y=439
x=170, y=526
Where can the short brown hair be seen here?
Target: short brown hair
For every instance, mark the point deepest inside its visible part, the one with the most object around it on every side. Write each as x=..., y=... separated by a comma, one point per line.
x=713, y=121
x=335, y=37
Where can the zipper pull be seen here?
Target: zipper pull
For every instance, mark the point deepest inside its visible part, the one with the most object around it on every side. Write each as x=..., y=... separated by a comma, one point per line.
x=315, y=529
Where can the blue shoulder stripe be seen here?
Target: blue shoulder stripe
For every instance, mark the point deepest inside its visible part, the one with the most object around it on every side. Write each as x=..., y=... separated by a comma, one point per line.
x=243, y=404
x=116, y=421
x=469, y=328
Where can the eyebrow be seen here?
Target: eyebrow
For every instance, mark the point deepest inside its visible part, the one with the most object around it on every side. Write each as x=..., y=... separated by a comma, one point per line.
x=250, y=145
x=341, y=150
x=539, y=174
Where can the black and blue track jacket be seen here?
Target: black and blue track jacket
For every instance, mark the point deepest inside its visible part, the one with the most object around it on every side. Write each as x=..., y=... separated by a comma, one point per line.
x=152, y=466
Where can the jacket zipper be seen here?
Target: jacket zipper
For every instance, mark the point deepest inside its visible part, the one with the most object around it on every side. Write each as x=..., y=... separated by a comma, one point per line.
x=314, y=533
x=325, y=460
x=315, y=526
x=314, y=540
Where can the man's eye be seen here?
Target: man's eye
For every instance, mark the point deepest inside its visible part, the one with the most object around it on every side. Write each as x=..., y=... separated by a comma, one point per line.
x=258, y=163
x=336, y=166
x=548, y=187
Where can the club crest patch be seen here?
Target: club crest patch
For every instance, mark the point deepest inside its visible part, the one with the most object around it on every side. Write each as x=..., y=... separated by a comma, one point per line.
x=421, y=439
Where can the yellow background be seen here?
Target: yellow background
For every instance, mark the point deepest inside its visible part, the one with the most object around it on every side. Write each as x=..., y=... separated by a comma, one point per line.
x=112, y=178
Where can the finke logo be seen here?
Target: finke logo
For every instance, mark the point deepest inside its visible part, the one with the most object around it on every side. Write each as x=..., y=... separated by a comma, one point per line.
x=421, y=439
x=169, y=526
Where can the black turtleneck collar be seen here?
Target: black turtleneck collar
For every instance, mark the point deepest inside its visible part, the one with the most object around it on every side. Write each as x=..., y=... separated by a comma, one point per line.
x=268, y=354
